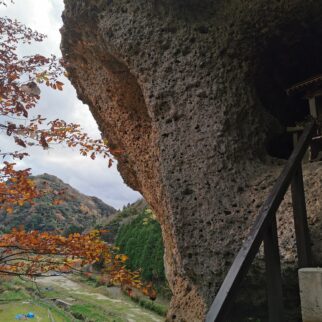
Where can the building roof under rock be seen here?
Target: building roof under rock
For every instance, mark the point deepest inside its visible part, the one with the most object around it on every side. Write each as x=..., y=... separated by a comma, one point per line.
x=309, y=85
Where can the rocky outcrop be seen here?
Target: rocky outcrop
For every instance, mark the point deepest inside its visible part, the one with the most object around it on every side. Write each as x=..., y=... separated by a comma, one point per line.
x=191, y=94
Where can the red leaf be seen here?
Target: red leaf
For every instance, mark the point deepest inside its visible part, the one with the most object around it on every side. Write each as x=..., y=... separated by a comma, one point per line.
x=20, y=108
x=25, y=113
x=11, y=127
x=43, y=141
x=20, y=142
x=59, y=85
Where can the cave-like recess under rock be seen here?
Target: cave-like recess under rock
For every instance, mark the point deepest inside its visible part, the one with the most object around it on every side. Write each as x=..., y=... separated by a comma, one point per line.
x=191, y=95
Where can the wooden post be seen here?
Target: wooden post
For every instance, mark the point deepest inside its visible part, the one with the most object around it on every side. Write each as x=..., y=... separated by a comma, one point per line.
x=264, y=228
x=296, y=132
x=300, y=220
x=313, y=109
x=273, y=272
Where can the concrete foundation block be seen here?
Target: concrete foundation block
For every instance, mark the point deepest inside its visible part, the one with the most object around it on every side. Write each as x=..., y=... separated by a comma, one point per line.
x=311, y=294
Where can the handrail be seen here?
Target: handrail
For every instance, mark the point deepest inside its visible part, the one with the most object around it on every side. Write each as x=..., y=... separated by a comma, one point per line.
x=264, y=229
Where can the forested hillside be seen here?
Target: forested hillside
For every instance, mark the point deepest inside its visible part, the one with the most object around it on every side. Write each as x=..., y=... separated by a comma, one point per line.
x=141, y=240
x=76, y=212
x=134, y=229
x=114, y=222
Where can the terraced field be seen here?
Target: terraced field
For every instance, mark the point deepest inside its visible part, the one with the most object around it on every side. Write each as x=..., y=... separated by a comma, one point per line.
x=97, y=304
x=69, y=300
x=42, y=313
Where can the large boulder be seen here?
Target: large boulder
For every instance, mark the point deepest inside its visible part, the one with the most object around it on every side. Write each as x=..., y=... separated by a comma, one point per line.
x=191, y=96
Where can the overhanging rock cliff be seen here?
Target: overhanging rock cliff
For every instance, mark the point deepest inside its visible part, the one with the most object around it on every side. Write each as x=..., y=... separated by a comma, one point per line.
x=192, y=96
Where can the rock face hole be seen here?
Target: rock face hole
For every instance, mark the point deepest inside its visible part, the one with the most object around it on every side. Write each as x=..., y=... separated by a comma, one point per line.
x=286, y=61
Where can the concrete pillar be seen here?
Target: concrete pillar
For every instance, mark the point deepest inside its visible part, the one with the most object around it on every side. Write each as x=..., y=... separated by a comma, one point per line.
x=311, y=294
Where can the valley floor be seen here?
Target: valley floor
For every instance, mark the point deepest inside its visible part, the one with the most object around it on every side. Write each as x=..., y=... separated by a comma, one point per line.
x=77, y=301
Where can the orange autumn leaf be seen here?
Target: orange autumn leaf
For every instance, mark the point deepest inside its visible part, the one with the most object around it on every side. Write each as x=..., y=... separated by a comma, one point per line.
x=34, y=253
x=59, y=85
x=9, y=210
x=20, y=88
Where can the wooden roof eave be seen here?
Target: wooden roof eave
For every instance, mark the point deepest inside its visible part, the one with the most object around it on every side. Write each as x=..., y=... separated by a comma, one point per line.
x=308, y=86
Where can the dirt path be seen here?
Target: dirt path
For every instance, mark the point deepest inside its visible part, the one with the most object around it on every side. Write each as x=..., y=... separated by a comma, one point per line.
x=133, y=312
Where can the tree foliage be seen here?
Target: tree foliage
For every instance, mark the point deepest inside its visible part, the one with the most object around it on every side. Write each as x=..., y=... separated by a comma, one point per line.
x=75, y=213
x=141, y=240
x=33, y=253
x=20, y=81
x=15, y=187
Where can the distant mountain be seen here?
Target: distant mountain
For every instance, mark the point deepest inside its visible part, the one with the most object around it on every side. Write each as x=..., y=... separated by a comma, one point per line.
x=76, y=212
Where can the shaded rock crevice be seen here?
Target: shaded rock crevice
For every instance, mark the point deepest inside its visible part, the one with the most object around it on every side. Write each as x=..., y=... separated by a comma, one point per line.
x=189, y=94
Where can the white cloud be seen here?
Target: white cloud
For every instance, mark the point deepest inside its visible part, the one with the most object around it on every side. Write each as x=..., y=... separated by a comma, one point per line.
x=88, y=176
x=40, y=15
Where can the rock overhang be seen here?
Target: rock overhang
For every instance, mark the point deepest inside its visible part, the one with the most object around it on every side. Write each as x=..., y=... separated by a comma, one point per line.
x=189, y=91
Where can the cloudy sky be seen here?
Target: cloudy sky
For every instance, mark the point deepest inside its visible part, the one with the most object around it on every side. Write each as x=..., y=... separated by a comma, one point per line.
x=90, y=177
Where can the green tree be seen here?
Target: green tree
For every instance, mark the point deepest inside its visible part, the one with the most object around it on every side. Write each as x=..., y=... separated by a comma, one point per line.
x=141, y=240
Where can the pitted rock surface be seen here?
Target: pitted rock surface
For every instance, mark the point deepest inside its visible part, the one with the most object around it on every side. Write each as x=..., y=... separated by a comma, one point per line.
x=188, y=93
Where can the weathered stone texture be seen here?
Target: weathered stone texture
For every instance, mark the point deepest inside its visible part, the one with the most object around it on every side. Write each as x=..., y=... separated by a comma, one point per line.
x=310, y=289
x=186, y=90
